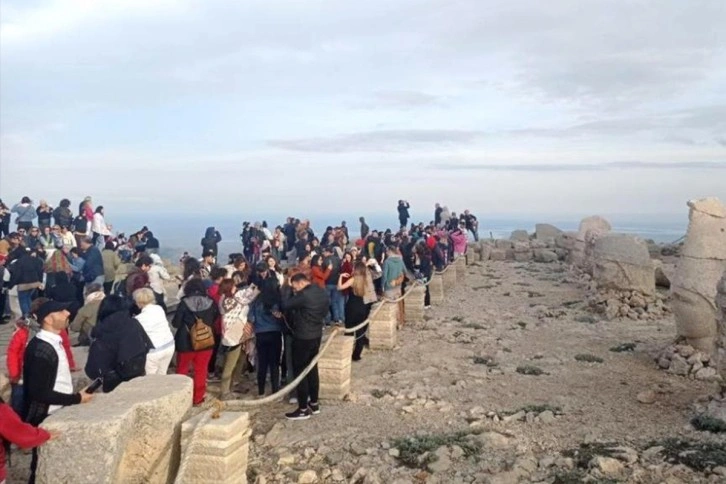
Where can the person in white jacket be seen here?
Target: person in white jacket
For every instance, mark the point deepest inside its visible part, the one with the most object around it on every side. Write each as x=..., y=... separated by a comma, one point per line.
x=153, y=319
x=157, y=275
x=99, y=228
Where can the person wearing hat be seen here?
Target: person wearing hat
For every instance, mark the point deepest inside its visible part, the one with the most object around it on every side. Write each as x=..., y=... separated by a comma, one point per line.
x=47, y=381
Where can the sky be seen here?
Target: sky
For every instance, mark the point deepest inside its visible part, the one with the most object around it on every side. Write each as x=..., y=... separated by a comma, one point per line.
x=503, y=107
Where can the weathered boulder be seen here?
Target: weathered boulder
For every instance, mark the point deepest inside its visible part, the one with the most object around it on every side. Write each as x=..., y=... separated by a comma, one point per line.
x=519, y=235
x=545, y=256
x=498, y=254
x=701, y=266
x=622, y=263
x=721, y=304
x=591, y=228
x=503, y=244
x=131, y=435
x=566, y=240
x=485, y=251
x=661, y=278
x=546, y=233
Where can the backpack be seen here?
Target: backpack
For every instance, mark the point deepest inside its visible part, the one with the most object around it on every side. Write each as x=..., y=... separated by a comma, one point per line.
x=201, y=335
x=80, y=224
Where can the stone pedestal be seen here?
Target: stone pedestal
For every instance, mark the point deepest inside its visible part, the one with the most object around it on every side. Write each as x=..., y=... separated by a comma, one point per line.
x=460, y=266
x=383, y=330
x=334, y=368
x=436, y=289
x=131, y=435
x=415, y=304
x=449, y=276
x=219, y=450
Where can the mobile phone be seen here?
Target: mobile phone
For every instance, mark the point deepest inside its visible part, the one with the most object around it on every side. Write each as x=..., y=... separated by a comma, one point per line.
x=95, y=385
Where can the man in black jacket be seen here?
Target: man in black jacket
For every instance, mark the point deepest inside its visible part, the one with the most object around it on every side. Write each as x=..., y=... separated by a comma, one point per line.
x=46, y=373
x=308, y=308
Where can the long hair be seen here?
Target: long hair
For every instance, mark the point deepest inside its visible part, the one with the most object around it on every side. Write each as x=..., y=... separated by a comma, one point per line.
x=191, y=268
x=360, y=279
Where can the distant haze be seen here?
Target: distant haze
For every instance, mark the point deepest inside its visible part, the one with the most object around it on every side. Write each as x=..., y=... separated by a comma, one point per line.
x=313, y=107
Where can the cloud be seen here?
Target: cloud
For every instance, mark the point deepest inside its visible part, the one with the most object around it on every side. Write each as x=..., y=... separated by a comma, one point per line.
x=589, y=167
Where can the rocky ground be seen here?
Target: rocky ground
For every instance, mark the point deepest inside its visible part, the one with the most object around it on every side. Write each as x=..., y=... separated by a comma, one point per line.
x=512, y=379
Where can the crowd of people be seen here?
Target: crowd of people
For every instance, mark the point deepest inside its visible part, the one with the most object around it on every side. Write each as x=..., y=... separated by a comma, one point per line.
x=265, y=311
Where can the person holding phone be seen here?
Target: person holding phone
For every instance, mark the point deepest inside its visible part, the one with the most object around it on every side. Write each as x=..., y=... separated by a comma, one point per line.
x=47, y=381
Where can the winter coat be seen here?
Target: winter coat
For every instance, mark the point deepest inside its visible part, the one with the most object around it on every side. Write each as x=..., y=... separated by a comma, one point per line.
x=63, y=216
x=93, y=267
x=308, y=309
x=190, y=308
x=111, y=262
x=393, y=268
x=28, y=269
x=210, y=240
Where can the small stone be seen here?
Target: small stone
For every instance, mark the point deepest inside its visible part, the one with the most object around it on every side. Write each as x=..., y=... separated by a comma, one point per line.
x=357, y=450
x=647, y=397
x=495, y=440
x=337, y=476
x=565, y=463
x=651, y=452
x=395, y=453
x=547, y=417
x=664, y=362
x=685, y=351
x=307, y=477
x=409, y=409
x=309, y=452
x=679, y=365
x=514, y=417
x=719, y=471
x=608, y=466
x=546, y=462
x=626, y=454
x=334, y=458
x=456, y=452
x=707, y=374
x=694, y=358
x=442, y=464
x=286, y=460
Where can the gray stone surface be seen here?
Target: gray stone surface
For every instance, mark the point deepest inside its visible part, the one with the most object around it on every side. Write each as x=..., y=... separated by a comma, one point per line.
x=622, y=263
x=519, y=236
x=131, y=435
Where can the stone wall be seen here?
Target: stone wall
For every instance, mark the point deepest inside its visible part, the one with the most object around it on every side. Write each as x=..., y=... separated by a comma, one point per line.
x=131, y=435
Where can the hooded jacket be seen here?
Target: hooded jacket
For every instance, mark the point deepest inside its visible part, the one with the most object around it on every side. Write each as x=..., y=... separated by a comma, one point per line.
x=63, y=216
x=28, y=269
x=26, y=212
x=307, y=310
x=190, y=308
x=393, y=267
x=120, y=346
x=210, y=240
x=93, y=267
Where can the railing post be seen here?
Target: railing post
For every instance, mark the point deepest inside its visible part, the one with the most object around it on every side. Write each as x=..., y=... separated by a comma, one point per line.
x=383, y=329
x=415, y=304
x=220, y=449
x=334, y=368
x=436, y=289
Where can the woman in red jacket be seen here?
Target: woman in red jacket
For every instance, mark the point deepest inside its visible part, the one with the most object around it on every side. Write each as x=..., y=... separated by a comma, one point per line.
x=320, y=275
x=15, y=431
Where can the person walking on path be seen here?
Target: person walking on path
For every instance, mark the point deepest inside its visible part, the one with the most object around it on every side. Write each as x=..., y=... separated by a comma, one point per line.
x=308, y=307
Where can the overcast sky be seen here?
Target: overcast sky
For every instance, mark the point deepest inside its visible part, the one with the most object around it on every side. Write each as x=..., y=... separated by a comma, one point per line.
x=507, y=106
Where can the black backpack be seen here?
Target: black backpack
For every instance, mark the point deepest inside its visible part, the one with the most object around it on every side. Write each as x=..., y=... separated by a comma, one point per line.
x=80, y=224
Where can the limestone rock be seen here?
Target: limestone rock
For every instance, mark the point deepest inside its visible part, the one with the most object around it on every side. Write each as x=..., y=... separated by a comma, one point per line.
x=131, y=435
x=547, y=233
x=701, y=266
x=679, y=365
x=591, y=229
x=622, y=263
x=519, y=235
x=608, y=466
x=646, y=397
x=307, y=477
x=503, y=244
x=442, y=461
x=498, y=254
x=661, y=279
x=545, y=256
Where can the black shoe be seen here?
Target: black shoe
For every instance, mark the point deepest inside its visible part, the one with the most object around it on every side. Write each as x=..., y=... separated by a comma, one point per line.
x=314, y=408
x=299, y=414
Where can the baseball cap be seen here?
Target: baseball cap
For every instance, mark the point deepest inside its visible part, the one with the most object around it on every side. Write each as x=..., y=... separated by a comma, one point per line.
x=50, y=307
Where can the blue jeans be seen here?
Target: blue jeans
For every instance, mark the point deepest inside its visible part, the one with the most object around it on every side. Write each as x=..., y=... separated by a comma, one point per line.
x=337, y=303
x=25, y=298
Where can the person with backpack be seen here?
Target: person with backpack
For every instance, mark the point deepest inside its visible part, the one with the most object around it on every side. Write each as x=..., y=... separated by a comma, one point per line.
x=119, y=345
x=194, y=339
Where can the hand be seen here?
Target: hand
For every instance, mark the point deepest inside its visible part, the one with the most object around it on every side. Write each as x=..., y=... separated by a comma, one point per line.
x=277, y=314
x=85, y=396
x=345, y=274
x=54, y=434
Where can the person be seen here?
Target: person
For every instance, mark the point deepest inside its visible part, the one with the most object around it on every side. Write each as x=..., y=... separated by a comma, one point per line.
x=87, y=317
x=5, y=216
x=403, y=214
x=119, y=347
x=471, y=224
x=152, y=243
x=337, y=300
x=236, y=331
x=437, y=214
x=44, y=212
x=25, y=330
x=14, y=431
x=157, y=275
x=80, y=228
x=93, y=271
x=62, y=215
x=26, y=214
x=308, y=307
x=111, y=263
x=153, y=319
x=206, y=264
x=425, y=267
x=318, y=273
x=47, y=382
x=210, y=240
x=99, y=228
x=364, y=229
x=393, y=278
x=195, y=307
x=268, y=326
x=139, y=276
x=275, y=269
x=67, y=237
x=356, y=309
x=216, y=275
x=26, y=275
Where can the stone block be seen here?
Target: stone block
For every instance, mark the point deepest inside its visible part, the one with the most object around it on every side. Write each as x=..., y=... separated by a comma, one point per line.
x=436, y=289
x=415, y=304
x=520, y=235
x=498, y=254
x=485, y=252
x=334, y=391
x=460, y=264
x=503, y=244
x=382, y=331
x=340, y=349
x=131, y=435
x=449, y=277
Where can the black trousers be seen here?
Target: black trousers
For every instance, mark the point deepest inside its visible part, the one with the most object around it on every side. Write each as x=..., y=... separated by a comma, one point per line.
x=269, y=350
x=303, y=352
